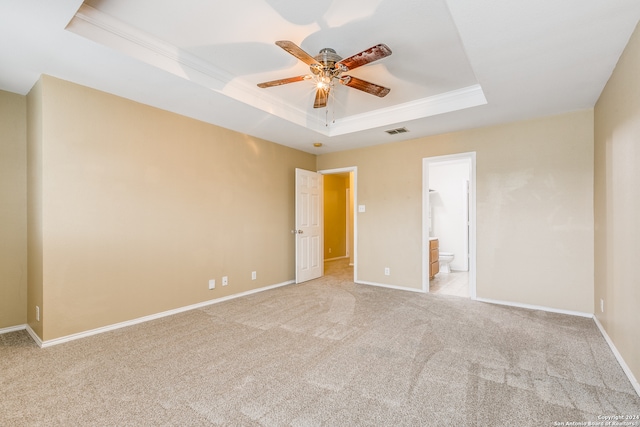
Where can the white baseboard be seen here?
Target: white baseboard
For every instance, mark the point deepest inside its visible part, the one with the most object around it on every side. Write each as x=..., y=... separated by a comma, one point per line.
x=56, y=341
x=34, y=336
x=616, y=353
x=12, y=329
x=535, y=307
x=336, y=258
x=384, y=285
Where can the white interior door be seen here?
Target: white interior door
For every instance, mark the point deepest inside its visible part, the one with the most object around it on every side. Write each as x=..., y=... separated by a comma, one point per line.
x=309, y=222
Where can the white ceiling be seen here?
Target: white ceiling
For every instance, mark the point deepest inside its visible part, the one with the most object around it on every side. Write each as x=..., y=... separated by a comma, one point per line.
x=456, y=64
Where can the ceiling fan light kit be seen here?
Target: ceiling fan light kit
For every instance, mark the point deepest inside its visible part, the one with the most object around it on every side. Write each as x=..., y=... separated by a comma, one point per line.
x=327, y=66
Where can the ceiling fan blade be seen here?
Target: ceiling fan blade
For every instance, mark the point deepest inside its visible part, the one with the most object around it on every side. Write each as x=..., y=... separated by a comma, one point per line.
x=296, y=51
x=364, y=86
x=321, y=98
x=366, y=56
x=283, y=81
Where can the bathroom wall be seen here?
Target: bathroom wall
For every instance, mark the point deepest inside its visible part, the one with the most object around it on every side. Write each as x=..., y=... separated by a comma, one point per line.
x=449, y=209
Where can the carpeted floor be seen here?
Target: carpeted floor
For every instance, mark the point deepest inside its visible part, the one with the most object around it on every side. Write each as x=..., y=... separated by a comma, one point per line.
x=323, y=353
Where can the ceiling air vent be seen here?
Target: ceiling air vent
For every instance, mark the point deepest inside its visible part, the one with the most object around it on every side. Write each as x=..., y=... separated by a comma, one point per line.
x=396, y=131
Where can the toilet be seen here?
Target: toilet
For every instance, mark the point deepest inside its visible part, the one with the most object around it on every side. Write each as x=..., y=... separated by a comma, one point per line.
x=445, y=259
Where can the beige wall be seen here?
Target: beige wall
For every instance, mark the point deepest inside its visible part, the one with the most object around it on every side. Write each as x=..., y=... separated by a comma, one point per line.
x=141, y=207
x=335, y=215
x=617, y=206
x=13, y=209
x=534, y=209
x=132, y=209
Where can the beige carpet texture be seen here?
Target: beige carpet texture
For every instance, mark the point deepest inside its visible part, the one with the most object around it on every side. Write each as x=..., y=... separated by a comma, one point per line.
x=327, y=352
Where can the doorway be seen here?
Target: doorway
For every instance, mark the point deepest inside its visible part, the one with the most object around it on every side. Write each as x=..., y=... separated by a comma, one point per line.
x=340, y=221
x=449, y=215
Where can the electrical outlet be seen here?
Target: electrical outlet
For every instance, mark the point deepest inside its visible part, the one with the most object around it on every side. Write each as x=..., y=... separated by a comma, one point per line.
x=601, y=305
x=37, y=313
x=212, y=284
x=253, y=275
x=329, y=250
x=225, y=280
x=387, y=271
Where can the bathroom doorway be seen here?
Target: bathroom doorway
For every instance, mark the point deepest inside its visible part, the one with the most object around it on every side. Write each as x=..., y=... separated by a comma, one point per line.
x=449, y=216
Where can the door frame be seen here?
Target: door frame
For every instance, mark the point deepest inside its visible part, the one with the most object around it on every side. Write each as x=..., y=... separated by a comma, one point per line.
x=354, y=191
x=348, y=215
x=426, y=162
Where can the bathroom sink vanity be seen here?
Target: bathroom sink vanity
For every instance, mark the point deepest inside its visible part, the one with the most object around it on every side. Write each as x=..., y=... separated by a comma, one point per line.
x=434, y=251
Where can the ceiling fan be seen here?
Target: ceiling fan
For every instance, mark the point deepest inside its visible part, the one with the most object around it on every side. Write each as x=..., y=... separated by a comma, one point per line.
x=328, y=66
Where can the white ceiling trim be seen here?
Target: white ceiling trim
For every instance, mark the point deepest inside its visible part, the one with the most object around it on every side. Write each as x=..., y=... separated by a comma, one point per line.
x=454, y=100
x=106, y=30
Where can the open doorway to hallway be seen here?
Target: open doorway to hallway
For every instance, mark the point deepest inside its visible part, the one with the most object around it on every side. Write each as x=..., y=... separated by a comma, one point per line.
x=340, y=250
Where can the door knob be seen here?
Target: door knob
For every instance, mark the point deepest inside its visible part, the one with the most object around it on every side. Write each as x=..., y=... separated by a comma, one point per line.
x=300, y=231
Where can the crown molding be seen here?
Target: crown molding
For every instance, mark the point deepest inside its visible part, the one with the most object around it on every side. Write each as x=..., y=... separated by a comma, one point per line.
x=459, y=99
x=108, y=31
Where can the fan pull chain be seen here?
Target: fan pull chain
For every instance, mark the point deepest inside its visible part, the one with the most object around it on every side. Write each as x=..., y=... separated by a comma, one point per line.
x=333, y=113
x=330, y=101
x=326, y=110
